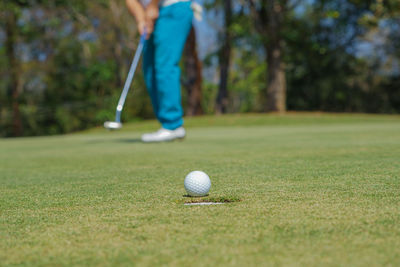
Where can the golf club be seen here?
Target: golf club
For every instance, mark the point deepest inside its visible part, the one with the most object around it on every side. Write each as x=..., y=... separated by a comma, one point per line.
x=115, y=125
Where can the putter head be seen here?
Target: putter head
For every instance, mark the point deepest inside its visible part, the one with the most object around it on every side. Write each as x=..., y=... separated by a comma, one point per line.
x=112, y=125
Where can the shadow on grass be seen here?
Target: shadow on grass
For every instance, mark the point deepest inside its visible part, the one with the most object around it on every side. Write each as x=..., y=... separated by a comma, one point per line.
x=129, y=140
x=217, y=199
x=112, y=140
x=138, y=140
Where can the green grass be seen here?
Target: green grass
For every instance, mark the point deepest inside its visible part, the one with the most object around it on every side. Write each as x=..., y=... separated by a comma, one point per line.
x=314, y=190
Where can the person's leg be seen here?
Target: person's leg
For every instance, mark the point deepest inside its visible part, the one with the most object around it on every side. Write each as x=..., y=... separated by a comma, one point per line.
x=170, y=34
x=149, y=72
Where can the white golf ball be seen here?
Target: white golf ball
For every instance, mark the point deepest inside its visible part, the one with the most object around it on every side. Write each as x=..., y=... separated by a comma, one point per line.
x=197, y=184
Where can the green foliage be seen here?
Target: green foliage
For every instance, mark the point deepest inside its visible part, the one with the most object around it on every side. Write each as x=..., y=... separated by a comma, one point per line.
x=72, y=77
x=324, y=72
x=247, y=82
x=74, y=56
x=322, y=67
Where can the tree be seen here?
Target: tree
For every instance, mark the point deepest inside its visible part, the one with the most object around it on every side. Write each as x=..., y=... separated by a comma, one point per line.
x=269, y=18
x=225, y=59
x=11, y=12
x=192, y=76
x=23, y=35
x=324, y=68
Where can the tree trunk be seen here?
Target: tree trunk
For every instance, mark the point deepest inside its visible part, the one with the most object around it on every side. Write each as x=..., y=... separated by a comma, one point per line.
x=193, y=76
x=224, y=61
x=276, y=91
x=14, y=90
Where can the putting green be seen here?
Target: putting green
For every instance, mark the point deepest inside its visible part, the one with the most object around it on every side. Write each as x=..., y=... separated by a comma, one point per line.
x=314, y=190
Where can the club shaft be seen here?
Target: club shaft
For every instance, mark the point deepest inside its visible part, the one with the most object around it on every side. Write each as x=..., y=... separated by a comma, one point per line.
x=128, y=81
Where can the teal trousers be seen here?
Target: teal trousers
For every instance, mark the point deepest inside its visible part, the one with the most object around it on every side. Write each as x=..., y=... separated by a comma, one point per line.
x=162, y=53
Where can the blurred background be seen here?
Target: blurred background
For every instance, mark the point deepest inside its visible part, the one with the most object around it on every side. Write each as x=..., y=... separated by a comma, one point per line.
x=63, y=62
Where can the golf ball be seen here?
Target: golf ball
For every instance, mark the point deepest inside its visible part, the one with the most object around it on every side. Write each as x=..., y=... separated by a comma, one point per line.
x=197, y=184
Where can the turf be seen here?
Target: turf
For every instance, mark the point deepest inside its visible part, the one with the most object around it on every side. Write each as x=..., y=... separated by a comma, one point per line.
x=307, y=190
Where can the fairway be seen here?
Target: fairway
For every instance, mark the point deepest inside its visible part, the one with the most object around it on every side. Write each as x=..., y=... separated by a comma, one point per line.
x=308, y=190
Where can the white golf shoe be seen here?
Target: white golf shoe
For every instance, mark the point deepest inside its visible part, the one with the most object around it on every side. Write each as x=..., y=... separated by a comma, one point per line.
x=164, y=135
